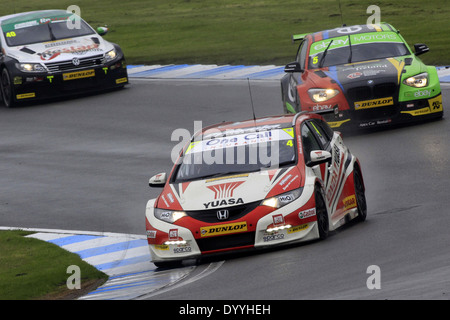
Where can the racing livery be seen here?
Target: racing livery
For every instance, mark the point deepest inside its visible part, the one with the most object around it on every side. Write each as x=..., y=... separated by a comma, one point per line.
x=254, y=184
x=361, y=76
x=55, y=53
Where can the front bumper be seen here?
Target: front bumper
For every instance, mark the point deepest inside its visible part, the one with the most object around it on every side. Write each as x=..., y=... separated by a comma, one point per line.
x=398, y=113
x=263, y=227
x=35, y=86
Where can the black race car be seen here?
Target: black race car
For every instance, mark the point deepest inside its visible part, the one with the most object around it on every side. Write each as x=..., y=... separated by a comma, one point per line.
x=55, y=53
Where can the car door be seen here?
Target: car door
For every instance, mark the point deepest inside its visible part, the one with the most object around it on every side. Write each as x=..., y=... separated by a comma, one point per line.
x=332, y=173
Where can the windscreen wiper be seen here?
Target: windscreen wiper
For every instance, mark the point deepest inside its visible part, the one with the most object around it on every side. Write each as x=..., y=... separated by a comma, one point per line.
x=52, y=36
x=324, y=54
x=351, y=52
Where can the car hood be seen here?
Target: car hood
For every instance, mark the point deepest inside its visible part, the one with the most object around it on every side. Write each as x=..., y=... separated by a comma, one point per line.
x=362, y=73
x=229, y=191
x=60, y=50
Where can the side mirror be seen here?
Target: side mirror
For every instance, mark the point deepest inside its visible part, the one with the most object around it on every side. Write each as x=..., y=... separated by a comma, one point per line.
x=293, y=67
x=102, y=31
x=158, y=180
x=318, y=157
x=420, y=48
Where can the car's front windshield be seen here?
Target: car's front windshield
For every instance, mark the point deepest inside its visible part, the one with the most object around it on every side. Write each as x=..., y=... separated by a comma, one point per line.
x=243, y=153
x=29, y=31
x=356, y=48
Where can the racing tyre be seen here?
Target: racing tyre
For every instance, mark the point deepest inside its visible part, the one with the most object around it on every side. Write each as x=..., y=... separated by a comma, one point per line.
x=322, y=215
x=360, y=195
x=7, y=89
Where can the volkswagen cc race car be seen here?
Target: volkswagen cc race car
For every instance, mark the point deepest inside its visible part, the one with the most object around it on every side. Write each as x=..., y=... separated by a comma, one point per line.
x=366, y=74
x=254, y=184
x=54, y=53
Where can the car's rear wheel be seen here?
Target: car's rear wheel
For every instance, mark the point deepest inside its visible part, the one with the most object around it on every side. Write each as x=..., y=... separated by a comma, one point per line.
x=322, y=215
x=7, y=89
x=360, y=195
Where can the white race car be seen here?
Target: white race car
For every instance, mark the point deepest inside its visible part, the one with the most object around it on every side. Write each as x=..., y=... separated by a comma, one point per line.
x=254, y=184
x=54, y=53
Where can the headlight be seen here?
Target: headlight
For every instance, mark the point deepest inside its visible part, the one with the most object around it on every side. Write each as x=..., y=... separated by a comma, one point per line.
x=417, y=81
x=168, y=215
x=30, y=67
x=282, y=199
x=110, y=55
x=321, y=95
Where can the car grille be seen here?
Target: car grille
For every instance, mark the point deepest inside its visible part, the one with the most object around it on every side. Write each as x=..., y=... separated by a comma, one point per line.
x=226, y=242
x=235, y=212
x=381, y=90
x=68, y=65
x=377, y=91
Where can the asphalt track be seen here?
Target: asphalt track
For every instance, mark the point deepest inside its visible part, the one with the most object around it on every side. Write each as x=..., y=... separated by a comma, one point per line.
x=84, y=164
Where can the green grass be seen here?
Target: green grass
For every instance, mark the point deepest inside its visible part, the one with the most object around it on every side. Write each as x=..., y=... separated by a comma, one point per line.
x=243, y=31
x=35, y=269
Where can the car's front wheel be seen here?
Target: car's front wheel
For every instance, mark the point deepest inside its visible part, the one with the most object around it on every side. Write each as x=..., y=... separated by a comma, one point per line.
x=7, y=89
x=322, y=215
x=360, y=195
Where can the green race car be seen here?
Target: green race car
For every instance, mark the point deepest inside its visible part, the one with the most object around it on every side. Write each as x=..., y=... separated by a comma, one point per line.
x=361, y=76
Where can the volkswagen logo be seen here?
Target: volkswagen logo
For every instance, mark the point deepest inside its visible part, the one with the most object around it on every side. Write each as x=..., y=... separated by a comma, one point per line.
x=370, y=82
x=76, y=61
x=223, y=214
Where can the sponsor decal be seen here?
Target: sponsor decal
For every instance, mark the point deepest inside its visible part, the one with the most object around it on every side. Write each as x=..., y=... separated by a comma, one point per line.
x=349, y=202
x=337, y=124
x=224, y=190
x=418, y=112
x=278, y=219
x=162, y=247
x=241, y=131
x=436, y=104
x=121, y=80
x=79, y=74
x=318, y=107
x=334, y=174
x=170, y=197
x=182, y=250
x=273, y=237
x=59, y=43
x=17, y=80
x=52, y=53
x=307, y=213
x=173, y=234
x=151, y=234
x=374, y=123
x=223, y=229
x=297, y=228
x=354, y=75
x=26, y=95
x=220, y=203
x=359, y=105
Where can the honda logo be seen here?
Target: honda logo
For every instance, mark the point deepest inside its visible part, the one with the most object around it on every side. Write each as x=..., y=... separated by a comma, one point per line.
x=223, y=214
